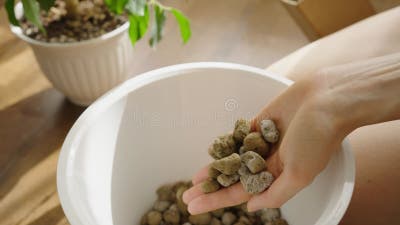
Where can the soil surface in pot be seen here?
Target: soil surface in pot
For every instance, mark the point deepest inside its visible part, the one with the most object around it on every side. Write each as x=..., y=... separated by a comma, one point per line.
x=90, y=20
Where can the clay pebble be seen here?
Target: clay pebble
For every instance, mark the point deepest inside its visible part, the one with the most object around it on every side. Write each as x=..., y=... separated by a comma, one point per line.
x=172, y=215
x=243, y=170
x=228, y=165
x=244, y=220
x=166, y=193
x=269, y=131
x=210, y=185
x=154, y=218
x=228, y=218
x=228, y=180
x=255, y=142
x=256, y=183
x=215, y=221
x=242, y=129
x=235, y=215
x=223, y=146
x=253, y=161
x=269, y=214
x=213, y=173
x=218, y=212
x=161, y=206
x=279, y=221
x=200, y=219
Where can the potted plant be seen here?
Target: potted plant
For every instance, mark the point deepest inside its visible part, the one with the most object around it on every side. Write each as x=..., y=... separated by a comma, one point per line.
x=84, y=47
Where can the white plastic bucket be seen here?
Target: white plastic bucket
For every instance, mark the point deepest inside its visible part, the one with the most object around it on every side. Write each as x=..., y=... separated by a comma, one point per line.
x=156, y=128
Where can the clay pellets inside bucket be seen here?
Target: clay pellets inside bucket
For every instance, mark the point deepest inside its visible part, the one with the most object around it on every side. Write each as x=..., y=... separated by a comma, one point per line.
x=174, y=212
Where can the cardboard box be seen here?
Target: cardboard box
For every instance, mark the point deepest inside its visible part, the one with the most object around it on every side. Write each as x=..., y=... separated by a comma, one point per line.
x=319, y=18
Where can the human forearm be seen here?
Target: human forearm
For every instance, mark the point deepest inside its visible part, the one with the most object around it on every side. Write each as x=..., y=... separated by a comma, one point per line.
x=361, y=93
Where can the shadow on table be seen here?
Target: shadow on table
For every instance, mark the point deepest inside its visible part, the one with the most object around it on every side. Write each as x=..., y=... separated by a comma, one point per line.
x=31, y=130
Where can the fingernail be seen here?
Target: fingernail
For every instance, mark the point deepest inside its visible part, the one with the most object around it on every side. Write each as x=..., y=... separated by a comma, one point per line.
x=185, y=198
x=190, y=209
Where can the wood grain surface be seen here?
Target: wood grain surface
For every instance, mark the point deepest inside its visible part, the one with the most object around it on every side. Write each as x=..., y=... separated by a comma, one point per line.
x=35, y=118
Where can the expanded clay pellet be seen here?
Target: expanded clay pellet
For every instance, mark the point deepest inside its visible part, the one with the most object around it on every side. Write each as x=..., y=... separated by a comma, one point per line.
x=228, y=180
x=253, y=161
x=269, y=131
x=173, y=215
x=256, y=143
x=256, y=183
x=241, y=156
x=210, y=185
x=242, y=129
x=228, y=165
x=223, y=146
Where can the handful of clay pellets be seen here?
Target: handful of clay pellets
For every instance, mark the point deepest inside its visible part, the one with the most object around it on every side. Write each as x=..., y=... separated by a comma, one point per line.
x=169, y=209
x=240, y=156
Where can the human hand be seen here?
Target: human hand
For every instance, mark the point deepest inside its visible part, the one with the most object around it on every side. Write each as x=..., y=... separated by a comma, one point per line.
x=314, y=116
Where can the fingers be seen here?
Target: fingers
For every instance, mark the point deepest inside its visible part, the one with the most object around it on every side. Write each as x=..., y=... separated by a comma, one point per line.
x=281, y=190
x=201, y=175
x=226, y=197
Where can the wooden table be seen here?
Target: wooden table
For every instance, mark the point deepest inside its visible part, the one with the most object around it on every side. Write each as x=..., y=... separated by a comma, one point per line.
x=35, y=118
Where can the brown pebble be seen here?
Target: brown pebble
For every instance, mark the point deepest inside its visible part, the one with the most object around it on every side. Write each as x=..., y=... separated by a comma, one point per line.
x=269, y=131
x=143, y=220
x=254, y=162
x=242, y=129
x=278, y=221
x=213, y=173
x=242, y=150
x=154, y=218
x=215, y=221
x=172, y=215
x=228, y=165
x=218, y=212
x=228, y=218
x=269, y=214
x=228, y=180
x=210, y=185
x=255, y=142
x=244, y=220
x=200, y=219
x=166, y=193
x=239, y=223
x=223, y=146
x=161, y=206
x=243, y=170
x=243, y=207
x=256, y=183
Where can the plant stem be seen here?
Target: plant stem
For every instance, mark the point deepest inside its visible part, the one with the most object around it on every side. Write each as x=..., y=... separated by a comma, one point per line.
x=155, y=2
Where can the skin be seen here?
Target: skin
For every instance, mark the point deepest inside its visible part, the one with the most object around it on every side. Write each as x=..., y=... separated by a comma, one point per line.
x=314, y=116
x=376, y=195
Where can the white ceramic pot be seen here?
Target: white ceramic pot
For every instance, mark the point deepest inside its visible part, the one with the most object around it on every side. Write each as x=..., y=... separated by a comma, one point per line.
x=156, y=128
x=84, y=70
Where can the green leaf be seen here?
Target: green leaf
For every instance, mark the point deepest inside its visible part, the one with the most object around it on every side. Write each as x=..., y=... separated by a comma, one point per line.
x=184, y=24
x=158, y=25
x=46, y=4
x=9, y=5
x=136, y=7
x=138, y=25
x=32, y=13
x=116, y=6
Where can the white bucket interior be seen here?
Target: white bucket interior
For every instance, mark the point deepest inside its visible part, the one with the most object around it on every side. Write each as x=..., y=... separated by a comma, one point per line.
x=159, y=133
